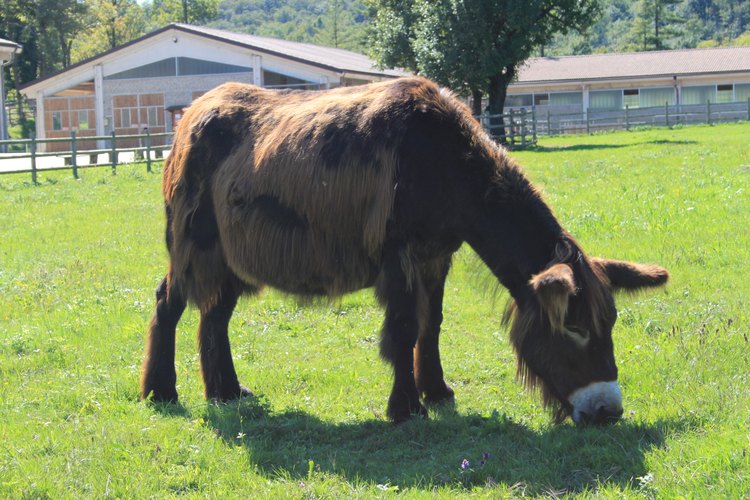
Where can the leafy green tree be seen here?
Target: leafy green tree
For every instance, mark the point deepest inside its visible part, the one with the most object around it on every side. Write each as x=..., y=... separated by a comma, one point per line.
x=163, y=12
x=743, y=40
x=46, y=29
x=109, y=23
x=473, y=46
x=13, y=28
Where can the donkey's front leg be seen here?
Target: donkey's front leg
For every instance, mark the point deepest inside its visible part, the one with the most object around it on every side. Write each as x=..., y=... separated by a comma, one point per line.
x=219, y=378
x=399, y=335
x=427, y=367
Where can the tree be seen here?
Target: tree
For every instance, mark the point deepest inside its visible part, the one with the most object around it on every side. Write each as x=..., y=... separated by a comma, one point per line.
x=341, y=26
x=162, y=12
x=108, y=24
x=472, y=46
x=655, y=22
x=46, y=29
x=743, y=40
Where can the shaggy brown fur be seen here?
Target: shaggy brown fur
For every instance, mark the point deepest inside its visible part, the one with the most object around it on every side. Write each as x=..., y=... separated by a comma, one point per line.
x=323, y=193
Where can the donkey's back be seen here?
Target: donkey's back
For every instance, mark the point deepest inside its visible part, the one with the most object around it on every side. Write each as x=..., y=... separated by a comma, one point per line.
x=290, y=189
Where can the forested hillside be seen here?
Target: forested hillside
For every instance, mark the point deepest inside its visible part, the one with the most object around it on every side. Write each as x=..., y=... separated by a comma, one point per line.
x=333, y=23
x=626, y=26
x=57, y=33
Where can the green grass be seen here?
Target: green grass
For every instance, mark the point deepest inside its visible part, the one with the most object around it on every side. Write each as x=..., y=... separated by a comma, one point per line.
x=79, y=261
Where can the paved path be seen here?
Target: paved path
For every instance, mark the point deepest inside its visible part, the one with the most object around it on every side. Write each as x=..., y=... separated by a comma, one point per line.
x=15, y=162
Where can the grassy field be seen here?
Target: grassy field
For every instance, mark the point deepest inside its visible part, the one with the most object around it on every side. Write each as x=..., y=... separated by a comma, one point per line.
x=79, y=261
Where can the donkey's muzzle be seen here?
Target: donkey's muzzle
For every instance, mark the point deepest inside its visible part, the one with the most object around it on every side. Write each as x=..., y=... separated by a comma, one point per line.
x=597, y=403
x=602, y=415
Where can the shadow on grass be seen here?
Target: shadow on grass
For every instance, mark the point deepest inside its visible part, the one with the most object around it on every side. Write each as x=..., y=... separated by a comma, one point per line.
x=591, y=147
x=170, y=409
x=297, y=446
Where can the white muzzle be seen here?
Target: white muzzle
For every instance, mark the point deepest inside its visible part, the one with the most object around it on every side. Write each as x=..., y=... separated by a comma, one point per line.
x=598, y=402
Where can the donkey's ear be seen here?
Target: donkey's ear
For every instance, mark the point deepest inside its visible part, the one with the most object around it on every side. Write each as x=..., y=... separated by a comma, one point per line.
x=553, y=288
x=630, y=275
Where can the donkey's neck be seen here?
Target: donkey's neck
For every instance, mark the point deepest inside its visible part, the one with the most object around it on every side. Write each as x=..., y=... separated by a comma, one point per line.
x=513, y=230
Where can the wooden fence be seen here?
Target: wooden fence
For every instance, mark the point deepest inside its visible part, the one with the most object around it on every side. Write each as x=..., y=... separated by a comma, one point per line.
x=27, y=155
x=515, y=129
x=549, y=122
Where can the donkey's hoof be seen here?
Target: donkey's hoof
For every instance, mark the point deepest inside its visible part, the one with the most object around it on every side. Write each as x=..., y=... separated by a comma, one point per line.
x=442, y=396
x=161, y=395
x=399, y=414
x=230, y=394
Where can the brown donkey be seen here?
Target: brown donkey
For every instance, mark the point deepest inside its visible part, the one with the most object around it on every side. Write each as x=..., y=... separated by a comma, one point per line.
x=324, y=193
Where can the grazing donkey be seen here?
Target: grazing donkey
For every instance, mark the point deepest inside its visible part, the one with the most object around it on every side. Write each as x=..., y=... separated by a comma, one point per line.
x=324, y=193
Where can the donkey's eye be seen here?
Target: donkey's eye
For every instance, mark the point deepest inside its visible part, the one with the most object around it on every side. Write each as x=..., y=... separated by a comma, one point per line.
x=579, y=336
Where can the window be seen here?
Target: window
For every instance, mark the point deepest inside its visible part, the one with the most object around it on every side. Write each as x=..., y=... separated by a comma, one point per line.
x=725, y=93
x=566, y=98
x=190, y=66
x=178, y=66
x=272, y=79
x=136, y=111
x=742, y=92
x=153, y=118
x=518, y=100
x=630, y=98
x=698, y=95
x=83, y=120
x=165, y=67
x=57, y=120
x=541, y=99
x=605, y=99
x=651, y=98
x=125, y=118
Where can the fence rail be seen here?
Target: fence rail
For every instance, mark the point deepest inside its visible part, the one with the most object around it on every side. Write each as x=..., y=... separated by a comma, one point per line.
x=29, y=157
x=515, y=129
x=549, y=122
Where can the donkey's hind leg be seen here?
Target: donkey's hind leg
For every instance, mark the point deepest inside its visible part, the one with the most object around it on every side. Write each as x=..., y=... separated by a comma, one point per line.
x=428, y=371
x=219, y=377
x=157, y=372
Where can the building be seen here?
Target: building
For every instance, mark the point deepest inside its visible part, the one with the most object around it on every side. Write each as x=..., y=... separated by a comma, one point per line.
x=147, y=82
x=8, y=50
x=610, y=82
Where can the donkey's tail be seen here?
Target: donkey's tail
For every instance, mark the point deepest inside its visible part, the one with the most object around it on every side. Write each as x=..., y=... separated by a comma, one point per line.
x=204, y=138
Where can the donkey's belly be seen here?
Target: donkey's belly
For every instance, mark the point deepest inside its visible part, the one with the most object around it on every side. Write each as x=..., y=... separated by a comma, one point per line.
x=267, y=244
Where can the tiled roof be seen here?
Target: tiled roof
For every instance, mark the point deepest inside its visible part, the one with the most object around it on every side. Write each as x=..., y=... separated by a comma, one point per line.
x=636, y=65
x=338, y=60
x=328, y=57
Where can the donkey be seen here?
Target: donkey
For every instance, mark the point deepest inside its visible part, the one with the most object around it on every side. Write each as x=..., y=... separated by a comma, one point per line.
x=324, y=193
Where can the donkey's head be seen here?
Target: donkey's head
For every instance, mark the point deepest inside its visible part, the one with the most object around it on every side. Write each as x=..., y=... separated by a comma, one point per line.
x=562, y=332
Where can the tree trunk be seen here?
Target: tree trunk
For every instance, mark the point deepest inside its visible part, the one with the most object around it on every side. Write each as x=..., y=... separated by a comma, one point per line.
x=65, y=48
x=476, y=102
x=14, y=69
x=497, y=91
x=19, y=101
